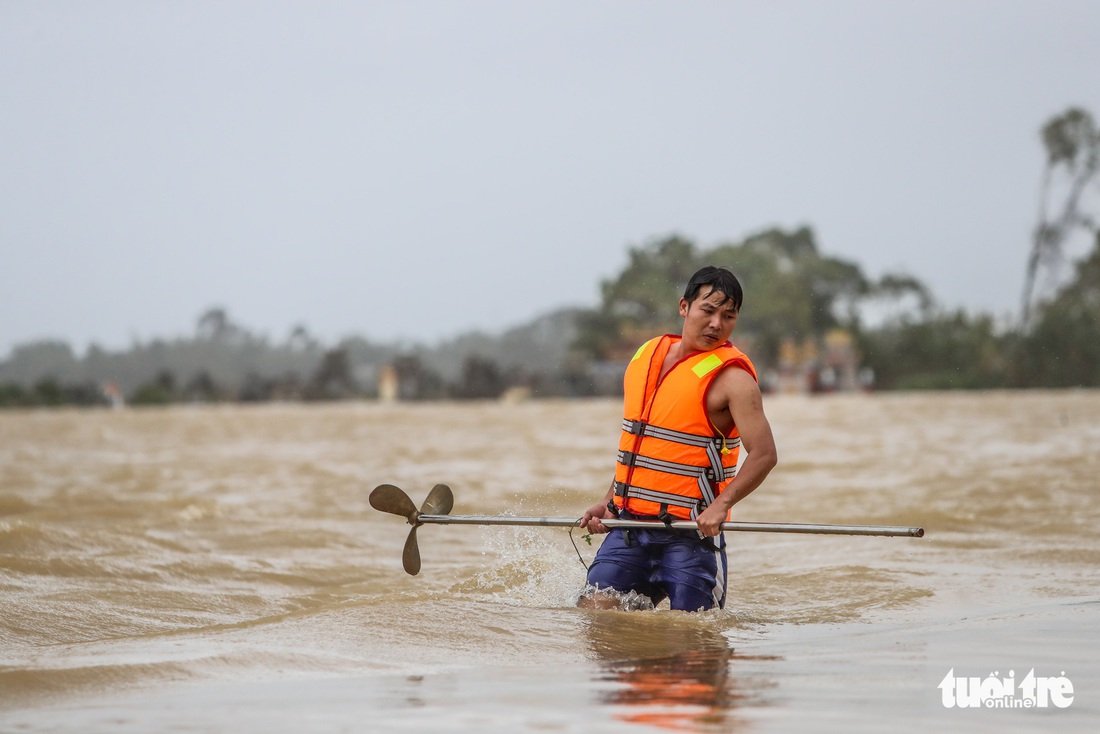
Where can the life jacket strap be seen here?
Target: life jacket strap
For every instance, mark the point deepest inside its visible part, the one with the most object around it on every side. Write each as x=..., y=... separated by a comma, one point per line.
x=630, y=458
x=641, y=428
x=715, y=446
x=628, y=491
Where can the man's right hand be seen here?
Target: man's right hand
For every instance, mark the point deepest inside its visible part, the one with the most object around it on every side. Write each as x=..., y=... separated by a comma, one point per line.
x=593, y=517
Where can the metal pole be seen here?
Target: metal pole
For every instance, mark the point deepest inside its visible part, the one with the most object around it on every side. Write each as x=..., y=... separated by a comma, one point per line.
x=750, y=527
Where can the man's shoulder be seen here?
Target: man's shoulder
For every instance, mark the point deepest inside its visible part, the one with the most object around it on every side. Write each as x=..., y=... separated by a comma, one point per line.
x=732, y=357
x=737, y=373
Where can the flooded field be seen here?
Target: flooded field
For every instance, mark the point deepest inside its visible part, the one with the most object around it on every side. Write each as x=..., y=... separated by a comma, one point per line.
x=219, y=568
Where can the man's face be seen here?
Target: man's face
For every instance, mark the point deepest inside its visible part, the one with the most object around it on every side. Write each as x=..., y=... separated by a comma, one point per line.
x=708, y=320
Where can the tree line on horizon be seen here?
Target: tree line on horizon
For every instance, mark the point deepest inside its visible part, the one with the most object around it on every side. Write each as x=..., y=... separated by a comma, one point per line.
x=224, y=361
x=795, y=295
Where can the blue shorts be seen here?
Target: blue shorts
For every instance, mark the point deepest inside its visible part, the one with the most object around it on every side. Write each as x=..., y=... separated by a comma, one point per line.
x=675, y=564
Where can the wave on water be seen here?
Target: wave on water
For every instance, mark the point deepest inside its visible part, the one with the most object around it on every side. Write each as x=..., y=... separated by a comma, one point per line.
x=142, y=548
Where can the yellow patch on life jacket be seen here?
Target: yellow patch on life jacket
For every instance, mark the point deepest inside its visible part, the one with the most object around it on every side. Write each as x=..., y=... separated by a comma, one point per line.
x=640, y=350
x=707, y=365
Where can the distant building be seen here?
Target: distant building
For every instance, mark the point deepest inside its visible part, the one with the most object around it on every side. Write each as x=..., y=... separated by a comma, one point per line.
x=827, y=365
x=388, y=384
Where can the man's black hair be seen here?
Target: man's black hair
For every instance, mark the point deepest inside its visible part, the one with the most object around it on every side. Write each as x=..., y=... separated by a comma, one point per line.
x=719, y=279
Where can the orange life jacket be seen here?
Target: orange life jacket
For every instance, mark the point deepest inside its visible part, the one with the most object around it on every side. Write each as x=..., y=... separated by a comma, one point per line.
x=672, y=461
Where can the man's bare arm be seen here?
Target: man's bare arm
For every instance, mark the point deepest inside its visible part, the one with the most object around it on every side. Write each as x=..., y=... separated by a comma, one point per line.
x=740, y=392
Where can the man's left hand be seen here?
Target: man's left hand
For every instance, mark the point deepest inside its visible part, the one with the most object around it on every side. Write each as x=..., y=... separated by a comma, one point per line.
x=710, y=521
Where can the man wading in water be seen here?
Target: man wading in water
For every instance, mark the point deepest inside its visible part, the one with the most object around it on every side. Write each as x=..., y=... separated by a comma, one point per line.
x=689, y=403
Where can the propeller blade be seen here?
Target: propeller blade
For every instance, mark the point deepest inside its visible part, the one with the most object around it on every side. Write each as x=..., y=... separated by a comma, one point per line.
x=388, y=498
x=439, y=501
x=410, y=557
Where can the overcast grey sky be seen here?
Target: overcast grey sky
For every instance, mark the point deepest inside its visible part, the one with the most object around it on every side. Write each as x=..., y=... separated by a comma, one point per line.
x=409, y=170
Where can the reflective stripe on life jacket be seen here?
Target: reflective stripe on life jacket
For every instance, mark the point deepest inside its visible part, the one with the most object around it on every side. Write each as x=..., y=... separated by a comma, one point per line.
x=672, y=461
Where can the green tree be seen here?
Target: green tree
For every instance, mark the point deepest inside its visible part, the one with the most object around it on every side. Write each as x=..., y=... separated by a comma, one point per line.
x=791, y=291
x=1072, y=142
x=14, y=395
x=202, y=388
x=415, y=381
x=935, y=351
x=48, y=392
x=161, y=390
x=481, y=378
x=332, y=380
x=644, y=296
x=1063, y=349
